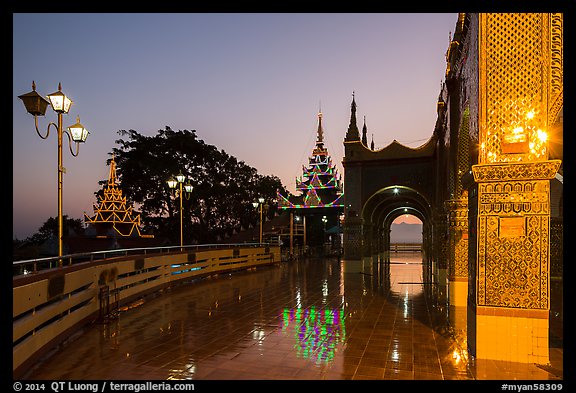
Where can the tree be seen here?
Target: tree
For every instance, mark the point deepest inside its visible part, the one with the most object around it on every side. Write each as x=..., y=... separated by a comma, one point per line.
x=48, y=230
x=32, y=246
x=224, y=187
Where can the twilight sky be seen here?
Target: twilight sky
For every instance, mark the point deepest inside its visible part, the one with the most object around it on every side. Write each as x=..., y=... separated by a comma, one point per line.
x=251, y=84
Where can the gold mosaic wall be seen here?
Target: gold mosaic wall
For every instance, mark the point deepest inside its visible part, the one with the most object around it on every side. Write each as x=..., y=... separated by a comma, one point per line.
x=520, y=85
x=521, y=76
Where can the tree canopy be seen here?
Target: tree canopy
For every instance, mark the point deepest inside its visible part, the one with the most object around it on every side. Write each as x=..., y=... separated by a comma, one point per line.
x=223, y=193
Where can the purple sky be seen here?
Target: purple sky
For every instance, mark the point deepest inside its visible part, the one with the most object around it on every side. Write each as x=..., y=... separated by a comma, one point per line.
x=251, y=84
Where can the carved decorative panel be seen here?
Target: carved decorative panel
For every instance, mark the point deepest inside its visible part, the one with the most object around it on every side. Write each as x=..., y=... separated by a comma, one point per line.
x=513, y=243
x=514, y=270
x=556, y=67
x=520, y=171
x=458, y=245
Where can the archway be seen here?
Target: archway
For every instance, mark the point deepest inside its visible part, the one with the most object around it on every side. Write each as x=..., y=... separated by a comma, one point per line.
x=383, y=207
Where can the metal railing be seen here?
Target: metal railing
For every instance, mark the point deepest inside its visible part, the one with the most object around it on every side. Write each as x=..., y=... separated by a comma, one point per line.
x=405, y=247
x=32, y=266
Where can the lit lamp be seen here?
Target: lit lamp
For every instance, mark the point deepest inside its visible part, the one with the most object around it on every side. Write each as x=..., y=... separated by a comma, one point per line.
x=515, y=141
x=172, y=183
x=78, y=132
x=524, y=136
x=178, y=180
x=59, y=101
x=36, y=105
x=298, y=219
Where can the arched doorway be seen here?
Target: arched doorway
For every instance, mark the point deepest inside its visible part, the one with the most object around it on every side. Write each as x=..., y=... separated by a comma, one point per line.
x=385, y=206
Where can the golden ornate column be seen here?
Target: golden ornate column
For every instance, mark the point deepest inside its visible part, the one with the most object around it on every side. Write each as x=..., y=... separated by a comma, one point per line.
x=457, y=250
x=520, y=91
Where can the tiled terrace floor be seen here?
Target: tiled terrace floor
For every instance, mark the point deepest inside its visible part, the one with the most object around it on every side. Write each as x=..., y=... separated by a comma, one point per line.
x=293, y=321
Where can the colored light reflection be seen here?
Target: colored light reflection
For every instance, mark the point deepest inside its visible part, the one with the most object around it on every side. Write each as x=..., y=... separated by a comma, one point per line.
x=318, y=331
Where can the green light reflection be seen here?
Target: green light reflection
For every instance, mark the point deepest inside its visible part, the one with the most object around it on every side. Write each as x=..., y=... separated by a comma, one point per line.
x=318, y=332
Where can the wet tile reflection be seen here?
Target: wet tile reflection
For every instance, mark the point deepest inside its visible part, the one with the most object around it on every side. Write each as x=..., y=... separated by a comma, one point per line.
x=318, y=333
x=297, y=320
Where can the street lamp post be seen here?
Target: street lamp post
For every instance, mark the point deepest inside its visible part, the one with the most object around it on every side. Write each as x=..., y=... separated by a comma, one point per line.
x=179, y=180
x=291, y=234
x=36, y=105
x=324, y=221
x=259, y=204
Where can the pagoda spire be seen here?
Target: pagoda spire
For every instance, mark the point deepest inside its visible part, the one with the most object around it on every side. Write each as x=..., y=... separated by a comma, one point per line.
x=319, y=184
x=372, y=143
x=352, y=134
x=112, y=174
x=320, y=132
x=364, y=133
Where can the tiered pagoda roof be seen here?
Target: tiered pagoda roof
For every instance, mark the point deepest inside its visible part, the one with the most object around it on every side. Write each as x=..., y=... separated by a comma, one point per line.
x=320, y=184
x=112, y=215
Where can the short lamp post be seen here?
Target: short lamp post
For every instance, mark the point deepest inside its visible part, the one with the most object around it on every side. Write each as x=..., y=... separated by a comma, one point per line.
x=36, y=105
x=324, y=221
x=179, y=180
x=293, y=227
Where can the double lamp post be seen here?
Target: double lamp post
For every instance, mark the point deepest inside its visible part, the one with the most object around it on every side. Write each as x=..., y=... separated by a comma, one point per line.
x=179, y=180
x=260, y=203
x=36, y=105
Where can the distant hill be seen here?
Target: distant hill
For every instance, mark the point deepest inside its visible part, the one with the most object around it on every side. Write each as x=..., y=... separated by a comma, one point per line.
x=406, y=233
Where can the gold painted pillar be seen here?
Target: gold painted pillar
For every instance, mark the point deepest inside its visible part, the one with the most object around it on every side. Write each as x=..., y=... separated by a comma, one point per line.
x=457, y=250
x=520, y=91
